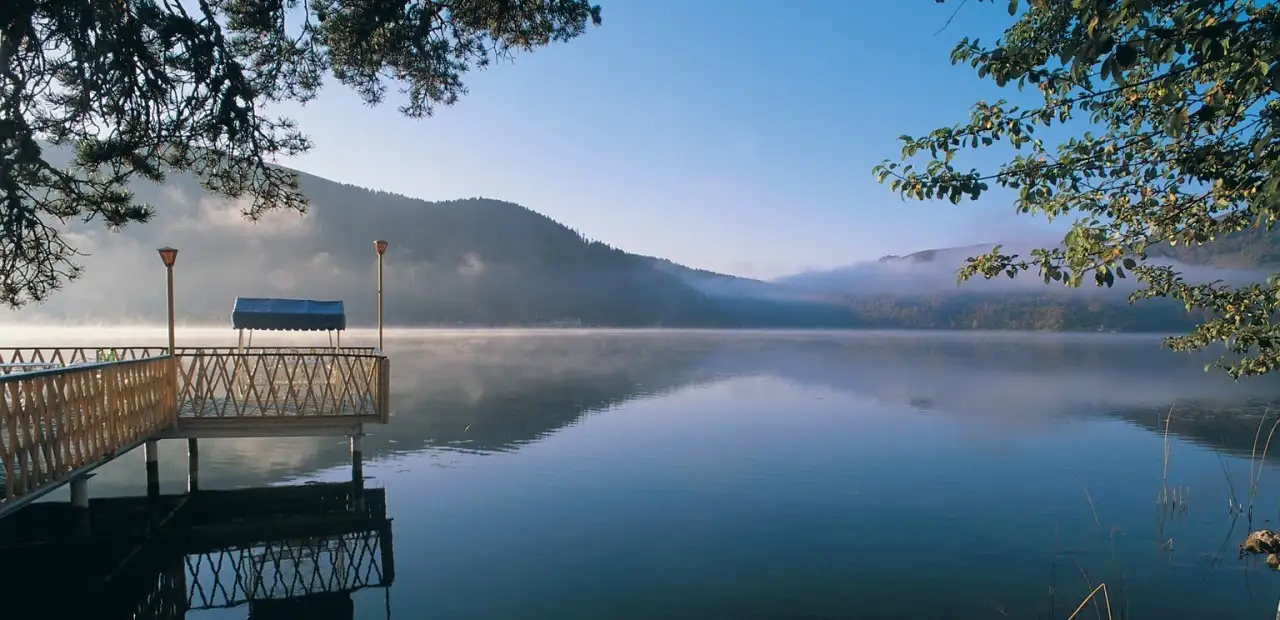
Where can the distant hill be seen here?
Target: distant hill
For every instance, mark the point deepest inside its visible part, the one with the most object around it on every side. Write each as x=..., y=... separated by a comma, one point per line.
x=930, y=256
x=1247, y=249
x=1250, y=256
x=474, y=261
x=486, y=262
x=1049, y=311
x=919, y=291
x=717, y=284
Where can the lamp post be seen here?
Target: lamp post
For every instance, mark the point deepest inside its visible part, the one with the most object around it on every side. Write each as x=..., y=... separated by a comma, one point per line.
x=169, y=256
x=380, y=246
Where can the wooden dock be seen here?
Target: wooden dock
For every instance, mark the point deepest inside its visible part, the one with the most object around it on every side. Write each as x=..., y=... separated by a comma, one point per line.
x=67, y=411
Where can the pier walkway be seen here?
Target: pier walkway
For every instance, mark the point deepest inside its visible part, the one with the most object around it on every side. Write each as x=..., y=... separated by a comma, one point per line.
x=67, y=411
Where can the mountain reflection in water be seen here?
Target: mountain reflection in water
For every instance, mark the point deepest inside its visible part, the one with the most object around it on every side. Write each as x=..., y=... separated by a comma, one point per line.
x=751, y=474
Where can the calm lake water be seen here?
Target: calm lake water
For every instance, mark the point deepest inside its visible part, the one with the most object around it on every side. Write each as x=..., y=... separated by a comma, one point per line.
x=704, y=475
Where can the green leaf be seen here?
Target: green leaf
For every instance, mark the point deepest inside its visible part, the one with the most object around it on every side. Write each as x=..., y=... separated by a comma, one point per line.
x=1127, y=55
x=1173, y=151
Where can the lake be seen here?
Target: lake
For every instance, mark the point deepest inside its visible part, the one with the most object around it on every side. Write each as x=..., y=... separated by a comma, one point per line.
x=580, y=474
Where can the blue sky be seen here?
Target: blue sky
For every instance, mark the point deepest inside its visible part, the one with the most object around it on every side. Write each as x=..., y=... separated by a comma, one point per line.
x=727, y=135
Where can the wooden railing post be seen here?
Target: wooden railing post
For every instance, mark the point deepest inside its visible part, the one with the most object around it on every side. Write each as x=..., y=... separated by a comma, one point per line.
x=197, y=397
x=193, y=465
x=174, y=381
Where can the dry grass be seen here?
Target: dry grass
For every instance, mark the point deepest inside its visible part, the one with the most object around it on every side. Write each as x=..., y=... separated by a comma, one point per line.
x=1171, y=500
x=1234, y=507
x=1102, y=587
x=1174, y=499
x=1257, y=463
x=1092, y=508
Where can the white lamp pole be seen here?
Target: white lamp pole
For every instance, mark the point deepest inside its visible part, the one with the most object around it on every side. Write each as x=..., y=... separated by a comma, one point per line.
x=380, y=246
x=169, y=256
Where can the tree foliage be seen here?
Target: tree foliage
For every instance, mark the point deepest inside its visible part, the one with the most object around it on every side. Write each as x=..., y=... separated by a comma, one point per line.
x=141, y=88
x=1173, y=110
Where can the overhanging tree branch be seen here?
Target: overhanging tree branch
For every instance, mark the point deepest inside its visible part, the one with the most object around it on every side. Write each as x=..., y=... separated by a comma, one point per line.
x=141, y=88
x=1182, y=147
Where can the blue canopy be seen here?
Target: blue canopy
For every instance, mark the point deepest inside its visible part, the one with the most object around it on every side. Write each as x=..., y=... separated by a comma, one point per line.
x=288, y=314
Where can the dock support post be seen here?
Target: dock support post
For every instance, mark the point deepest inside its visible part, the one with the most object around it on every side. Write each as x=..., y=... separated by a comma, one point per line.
x=357, y=467
x=152, y=453
x=193, y=465
x=80, y=503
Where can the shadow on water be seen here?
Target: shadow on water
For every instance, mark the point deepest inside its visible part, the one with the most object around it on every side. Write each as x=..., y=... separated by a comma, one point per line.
x=280, y=552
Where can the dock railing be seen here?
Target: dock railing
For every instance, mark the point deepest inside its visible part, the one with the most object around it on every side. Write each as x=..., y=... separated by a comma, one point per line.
x=283, y=383
x=223, y=384
x=56, y=421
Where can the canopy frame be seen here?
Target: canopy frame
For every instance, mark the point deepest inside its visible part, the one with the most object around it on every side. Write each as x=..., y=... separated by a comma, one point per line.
x=278, y=314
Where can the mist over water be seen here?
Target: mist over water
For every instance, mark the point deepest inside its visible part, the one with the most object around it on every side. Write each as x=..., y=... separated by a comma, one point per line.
x=480, y=262
x=694, y=474
x=934, y=272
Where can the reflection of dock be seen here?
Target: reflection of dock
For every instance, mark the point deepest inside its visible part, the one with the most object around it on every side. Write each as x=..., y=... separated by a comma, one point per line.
x=285, y=552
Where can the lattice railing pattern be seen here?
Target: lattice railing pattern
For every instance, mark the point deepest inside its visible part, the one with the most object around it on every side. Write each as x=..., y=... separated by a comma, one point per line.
x=270, y=383
x=26, y=359
x=55, y=421
x=227, y=382
x=66, y=356
x=285, y=569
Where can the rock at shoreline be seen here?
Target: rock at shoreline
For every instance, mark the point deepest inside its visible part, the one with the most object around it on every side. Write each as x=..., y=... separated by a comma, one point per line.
x=1263, y=542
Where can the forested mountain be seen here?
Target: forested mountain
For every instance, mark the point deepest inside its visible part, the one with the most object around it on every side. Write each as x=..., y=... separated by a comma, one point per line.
x=1021, y=311
x=919, y=291
x=475, y=261
x=1249, y=249
x=483, y=262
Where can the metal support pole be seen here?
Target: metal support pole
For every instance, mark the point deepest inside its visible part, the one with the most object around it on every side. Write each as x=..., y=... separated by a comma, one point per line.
x=193, y=465
x=380, y=302
x=152, y=452
x=80, y=492
x=357, y=468
x=168, y=256
x=80, y=503
x=169, y=272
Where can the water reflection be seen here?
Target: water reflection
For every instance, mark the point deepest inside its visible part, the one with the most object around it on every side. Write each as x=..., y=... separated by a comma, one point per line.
x=496, y=393
x=279, y=552
x=492, y=392
x=755, y=475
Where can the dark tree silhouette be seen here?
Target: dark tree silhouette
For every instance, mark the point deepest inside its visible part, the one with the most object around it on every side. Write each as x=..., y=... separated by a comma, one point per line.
x=142, y=88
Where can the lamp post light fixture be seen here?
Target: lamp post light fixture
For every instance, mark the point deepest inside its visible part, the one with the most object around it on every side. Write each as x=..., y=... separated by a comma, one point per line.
x=169, y=256
x=380, y=246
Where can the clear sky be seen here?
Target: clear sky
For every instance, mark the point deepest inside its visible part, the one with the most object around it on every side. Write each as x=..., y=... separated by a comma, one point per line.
x=724, y=134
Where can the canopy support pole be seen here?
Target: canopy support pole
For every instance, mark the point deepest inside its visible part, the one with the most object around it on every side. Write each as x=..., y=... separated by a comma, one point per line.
x=235, y=370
